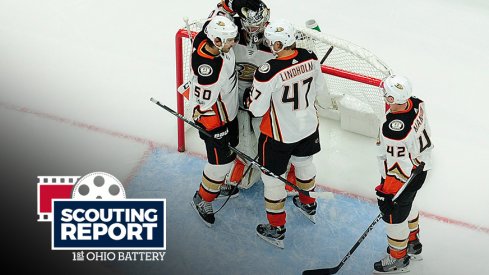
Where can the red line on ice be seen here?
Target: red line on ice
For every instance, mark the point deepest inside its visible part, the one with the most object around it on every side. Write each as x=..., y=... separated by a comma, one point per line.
x=153, y=144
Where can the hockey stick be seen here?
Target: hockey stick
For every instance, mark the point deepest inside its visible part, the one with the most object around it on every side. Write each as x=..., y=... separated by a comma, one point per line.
x=312, y=194
x=333, y=270
x=327, y=54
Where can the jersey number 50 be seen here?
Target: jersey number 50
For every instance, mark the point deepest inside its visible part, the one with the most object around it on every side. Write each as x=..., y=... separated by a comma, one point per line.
x=206, y=94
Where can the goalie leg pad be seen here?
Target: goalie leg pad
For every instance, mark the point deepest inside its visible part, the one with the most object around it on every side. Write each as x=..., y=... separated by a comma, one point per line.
x=291, y=174
x=291, y=178
x=238, y=175
x=248, y=145
x=255, y=125
x=252, y=177
x=237, y=171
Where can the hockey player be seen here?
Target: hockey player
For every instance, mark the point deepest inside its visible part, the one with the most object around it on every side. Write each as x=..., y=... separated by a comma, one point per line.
x=284, y=91
x=214, y=97
x=250, y=16
x=405, y=143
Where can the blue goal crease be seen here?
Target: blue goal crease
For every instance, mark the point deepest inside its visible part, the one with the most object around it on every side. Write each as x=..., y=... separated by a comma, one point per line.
x=231, y=245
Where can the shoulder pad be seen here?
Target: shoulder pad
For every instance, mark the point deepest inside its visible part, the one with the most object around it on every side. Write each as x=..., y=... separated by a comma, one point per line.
x=207, y=70
x=264, y=72
x=395, y=128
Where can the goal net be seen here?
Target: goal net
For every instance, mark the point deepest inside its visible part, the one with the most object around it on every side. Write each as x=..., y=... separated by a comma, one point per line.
x=353, y=76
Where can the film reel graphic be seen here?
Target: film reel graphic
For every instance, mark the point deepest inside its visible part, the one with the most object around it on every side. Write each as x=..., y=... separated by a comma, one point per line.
x=98, y=185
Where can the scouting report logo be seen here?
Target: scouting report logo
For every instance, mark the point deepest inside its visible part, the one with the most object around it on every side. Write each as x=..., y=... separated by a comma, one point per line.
x=92, y=213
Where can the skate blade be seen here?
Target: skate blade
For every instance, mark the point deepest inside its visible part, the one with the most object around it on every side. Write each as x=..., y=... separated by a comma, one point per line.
x=398, y=271
x=416, y=258
x=312, y=218
x=277, y=243
x=196, y=210
x=225, y=197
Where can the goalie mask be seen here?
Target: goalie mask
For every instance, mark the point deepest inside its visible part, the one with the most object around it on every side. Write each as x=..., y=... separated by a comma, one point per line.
x=254, y=22
x=282, y=31
x=224, y=29
x=397, y=89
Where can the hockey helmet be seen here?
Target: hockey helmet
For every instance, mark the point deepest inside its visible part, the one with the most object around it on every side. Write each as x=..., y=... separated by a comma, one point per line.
x=397, y=89
x=280, y=30
x=223, y=28
x=254, y=21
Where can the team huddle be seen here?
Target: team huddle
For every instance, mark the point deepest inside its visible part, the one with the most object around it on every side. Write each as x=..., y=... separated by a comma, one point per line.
x=252, y=89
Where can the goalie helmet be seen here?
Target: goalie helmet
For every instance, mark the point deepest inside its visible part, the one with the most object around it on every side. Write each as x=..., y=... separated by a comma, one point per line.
x=282, y=31
x=223, y=28
x=397, y=89
x=254, y=22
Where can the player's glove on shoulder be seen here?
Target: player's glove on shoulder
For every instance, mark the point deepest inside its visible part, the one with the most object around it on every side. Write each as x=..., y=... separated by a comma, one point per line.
x=247, y=98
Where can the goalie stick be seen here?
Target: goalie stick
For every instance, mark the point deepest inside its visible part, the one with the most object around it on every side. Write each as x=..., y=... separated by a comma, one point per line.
x=333, y=270
x=312, y=194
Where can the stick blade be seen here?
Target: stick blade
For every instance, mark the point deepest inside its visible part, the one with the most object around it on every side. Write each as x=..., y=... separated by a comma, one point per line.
x=320, y=271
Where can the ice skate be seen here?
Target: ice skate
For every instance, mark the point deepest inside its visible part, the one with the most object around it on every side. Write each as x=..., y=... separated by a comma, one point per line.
x=309, y=210
x=272, y=234
x=204, y=209
x=414, y=250
x=228, y=190
x=391, y=265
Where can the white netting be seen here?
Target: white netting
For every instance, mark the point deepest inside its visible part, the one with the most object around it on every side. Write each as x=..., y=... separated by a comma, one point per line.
x=195, y=27
x=345, y=57
x=348, y=57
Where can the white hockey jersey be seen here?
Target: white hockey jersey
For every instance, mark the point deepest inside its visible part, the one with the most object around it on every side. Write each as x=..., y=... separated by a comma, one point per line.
x=405, y=141
x=214, y=87
x=284, y=90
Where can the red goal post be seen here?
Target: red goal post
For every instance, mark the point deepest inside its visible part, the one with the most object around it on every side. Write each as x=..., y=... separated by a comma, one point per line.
x=353, y=76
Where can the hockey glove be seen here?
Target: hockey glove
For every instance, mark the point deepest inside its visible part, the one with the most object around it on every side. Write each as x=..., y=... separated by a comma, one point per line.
x=237, y=5
x=247, y=98
x=220, y=135
x=386, y=205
